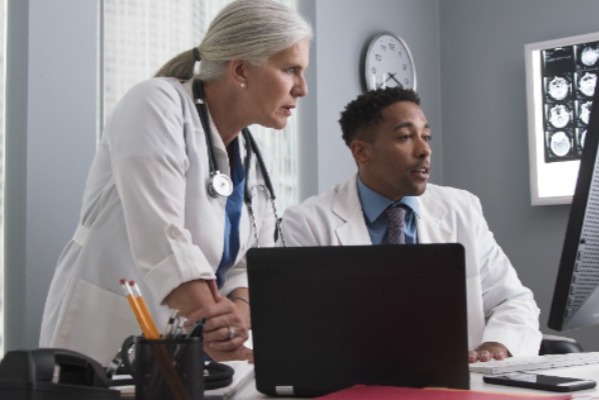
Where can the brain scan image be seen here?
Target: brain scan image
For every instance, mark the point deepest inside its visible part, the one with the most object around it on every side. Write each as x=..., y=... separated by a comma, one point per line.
x=589, y=56
x=587, y=83
x=585, y=111
x=558, y=88
x=560, y=144
x=559, y=116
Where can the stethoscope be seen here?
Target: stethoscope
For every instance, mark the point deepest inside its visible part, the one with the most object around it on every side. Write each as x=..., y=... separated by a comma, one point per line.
x=220, y=184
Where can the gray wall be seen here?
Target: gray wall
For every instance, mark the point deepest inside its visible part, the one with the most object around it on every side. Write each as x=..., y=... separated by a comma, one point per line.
x=343, y=28
x=50, y=140
x=485, y=145
x=469, y=58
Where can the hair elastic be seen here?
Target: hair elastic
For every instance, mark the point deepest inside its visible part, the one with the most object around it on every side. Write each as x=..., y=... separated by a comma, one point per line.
x=196, y=54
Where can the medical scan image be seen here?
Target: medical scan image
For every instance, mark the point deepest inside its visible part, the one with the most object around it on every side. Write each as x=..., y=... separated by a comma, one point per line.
x=586, y=84
x=585, y=112
x=582, y=134
x=560, y=143
x=558, y=88
x=559, y=116
x=589, y=56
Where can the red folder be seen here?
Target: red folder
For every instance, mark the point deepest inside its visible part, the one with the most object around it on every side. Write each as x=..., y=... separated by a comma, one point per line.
x=363, y=392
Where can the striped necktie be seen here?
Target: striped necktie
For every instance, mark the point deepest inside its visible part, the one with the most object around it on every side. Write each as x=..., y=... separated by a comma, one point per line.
x=396, y=217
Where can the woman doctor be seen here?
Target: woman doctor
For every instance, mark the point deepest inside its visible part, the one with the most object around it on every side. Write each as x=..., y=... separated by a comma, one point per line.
x=164, y=200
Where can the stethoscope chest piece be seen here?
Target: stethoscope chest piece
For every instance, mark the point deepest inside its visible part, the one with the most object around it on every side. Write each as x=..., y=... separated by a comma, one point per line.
x=220, y=184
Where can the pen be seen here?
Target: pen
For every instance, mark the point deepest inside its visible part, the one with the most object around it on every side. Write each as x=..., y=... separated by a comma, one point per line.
x=145, y=311
x=180, y=327
x=114, y=365
x=170, y=325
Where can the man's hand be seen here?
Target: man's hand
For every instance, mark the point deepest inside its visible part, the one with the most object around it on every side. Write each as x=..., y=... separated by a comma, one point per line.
x=489, y=351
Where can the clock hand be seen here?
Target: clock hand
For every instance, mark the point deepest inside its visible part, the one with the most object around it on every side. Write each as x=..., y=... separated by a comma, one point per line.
x=392, y=76
x=384, y=82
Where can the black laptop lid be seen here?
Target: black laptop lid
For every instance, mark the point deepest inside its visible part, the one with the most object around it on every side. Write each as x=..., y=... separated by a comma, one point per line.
x=326, y=318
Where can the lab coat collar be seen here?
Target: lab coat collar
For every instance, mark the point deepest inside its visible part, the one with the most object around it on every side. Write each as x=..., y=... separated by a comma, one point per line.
x=347, y=207
x=431, y=224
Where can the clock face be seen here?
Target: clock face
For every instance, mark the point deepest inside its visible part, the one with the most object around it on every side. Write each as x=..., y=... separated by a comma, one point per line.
x=389, y=63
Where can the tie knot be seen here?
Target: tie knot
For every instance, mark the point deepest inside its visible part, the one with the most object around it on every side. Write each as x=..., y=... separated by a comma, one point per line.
x=396, y=212
x=396, y=218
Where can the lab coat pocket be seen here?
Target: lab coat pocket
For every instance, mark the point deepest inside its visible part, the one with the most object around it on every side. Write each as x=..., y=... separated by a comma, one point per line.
x=96, y=322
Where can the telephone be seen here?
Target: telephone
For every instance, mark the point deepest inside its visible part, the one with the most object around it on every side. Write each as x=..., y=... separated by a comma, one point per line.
x=53, y=374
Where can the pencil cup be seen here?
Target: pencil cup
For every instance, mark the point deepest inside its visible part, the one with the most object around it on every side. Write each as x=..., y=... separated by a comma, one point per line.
x=169, y=369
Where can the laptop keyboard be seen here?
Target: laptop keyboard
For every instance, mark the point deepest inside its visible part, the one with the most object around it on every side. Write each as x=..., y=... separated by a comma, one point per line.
x=530, y=363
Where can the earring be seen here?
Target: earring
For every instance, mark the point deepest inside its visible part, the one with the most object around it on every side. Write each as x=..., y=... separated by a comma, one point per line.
x=242, y=85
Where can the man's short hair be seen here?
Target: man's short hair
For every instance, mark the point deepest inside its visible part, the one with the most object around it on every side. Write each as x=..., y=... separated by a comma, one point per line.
x=365, y=111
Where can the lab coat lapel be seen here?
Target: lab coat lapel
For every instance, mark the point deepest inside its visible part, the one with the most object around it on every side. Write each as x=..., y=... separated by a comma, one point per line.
x=432, y=225
x=346, y=206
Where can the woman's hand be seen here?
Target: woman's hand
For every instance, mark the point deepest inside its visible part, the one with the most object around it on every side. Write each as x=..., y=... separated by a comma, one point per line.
x=225, y=325
x=225, y=328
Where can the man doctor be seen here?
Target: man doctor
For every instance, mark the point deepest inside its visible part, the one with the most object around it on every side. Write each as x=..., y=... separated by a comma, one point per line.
x=388, y=135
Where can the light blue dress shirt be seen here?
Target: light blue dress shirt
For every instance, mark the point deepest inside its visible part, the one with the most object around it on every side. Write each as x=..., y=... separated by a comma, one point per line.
x=374, y=206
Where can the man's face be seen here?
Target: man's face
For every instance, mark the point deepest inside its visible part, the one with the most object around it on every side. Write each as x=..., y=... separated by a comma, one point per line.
x=396, y=163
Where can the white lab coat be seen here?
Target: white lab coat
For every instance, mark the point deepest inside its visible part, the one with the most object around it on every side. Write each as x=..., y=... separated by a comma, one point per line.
x=146, y=216
x=500, y=308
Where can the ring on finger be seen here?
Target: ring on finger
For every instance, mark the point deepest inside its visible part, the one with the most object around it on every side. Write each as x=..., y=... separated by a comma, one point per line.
x=231, y=333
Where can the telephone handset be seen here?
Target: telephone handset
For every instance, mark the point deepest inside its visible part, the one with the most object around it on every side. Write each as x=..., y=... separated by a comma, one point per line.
x=53, y=374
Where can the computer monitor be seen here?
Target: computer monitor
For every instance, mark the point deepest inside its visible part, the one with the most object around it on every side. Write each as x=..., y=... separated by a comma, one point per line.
x=575, y=301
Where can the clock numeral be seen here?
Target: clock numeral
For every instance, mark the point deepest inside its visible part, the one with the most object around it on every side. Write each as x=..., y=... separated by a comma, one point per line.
x=373, y=70
x=404, y=67
x=383, y=47
x=378, y=57
x=392, y=46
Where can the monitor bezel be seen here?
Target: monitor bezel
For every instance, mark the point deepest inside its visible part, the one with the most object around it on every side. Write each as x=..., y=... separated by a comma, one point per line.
x=558, y=319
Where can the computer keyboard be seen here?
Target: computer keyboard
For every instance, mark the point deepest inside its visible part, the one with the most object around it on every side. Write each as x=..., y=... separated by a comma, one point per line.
x=530, y=363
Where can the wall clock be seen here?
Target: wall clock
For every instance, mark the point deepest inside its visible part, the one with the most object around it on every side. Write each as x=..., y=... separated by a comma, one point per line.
x=388, y=62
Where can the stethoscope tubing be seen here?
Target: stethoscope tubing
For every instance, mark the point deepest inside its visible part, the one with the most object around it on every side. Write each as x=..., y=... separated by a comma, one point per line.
x=251, y=147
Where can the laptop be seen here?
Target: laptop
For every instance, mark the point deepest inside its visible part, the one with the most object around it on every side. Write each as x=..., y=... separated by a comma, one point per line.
x=327, y=318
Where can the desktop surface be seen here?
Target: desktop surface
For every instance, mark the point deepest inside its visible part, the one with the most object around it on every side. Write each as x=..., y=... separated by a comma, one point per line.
x=249, y=392
x=246, y=389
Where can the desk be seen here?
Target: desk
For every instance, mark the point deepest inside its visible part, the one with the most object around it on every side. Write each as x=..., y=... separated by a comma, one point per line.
x=249, y=392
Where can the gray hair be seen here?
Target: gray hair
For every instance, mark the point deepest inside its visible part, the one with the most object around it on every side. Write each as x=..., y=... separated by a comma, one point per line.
x=251, y=30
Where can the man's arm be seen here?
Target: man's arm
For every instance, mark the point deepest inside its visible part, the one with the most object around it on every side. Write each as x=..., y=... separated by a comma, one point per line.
x=511, y=313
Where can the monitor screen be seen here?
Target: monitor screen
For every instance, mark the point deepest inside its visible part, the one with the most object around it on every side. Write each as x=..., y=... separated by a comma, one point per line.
x=575, y=301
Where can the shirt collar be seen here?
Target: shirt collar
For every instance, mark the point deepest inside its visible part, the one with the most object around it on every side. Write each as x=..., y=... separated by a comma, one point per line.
x=373, y=204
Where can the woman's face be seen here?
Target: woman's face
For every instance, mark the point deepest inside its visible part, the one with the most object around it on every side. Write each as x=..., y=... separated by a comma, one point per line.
x=275, y=86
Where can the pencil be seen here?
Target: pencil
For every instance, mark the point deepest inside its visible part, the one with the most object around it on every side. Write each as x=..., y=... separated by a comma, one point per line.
x=165, y=362
x=153, y=331
x=137, y=311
